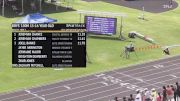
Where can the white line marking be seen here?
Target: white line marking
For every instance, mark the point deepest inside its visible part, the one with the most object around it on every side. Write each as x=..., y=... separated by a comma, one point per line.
x=104, y=83
x=72, y=88
x=124, y=91
x=141, y=80
x=163, y=60
x=110, y=90
x=153, y=69
x=62, y=85
x=150, y=65
x=109, y=71
x=98, y=75
x=64, y=90
x=109, y=85
x=135, y=78
x=67, y=87
x=158, y=66
x=173, y=76
x=126, y=80
x=168, y=70
x=40, y=97
x=29, y=99
x=101, y=75
x=161, y=72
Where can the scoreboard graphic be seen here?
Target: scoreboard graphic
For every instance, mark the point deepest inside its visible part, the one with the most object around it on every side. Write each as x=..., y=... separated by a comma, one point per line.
x=49, y=45
x=101, y=25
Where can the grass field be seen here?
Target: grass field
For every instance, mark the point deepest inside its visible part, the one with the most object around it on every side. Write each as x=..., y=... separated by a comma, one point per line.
x=104, y=53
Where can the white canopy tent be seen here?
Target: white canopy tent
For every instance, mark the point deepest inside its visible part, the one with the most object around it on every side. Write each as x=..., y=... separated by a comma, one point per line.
x=22, y=6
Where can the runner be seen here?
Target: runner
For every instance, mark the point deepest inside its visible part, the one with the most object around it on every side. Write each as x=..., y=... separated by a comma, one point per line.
x=159, y=97
x=138, y=96
x=115, y=99
x=169, y=92
x=147, y=94
x=153, y=94
x=164, y=94
x=175, y=93
x=131, y=98
x=177, y=90
x=124, y=99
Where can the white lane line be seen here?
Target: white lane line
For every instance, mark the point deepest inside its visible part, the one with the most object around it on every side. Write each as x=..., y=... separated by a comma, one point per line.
x=104, y=83
x=160, y=77
x=36, y=95
x=53, y=92
x=98, y=75
x=135, y=94
x=131, y=70
x=151, y=65
x=156, y=73
x=68, y=88
x=158, y=66
x=111, y=90
x=120, y=93
x=152, y=69
x=78, y=92
x=72, y=88
x=125, y=91
x=98, y=78
x=133, y=74
x=141, y=80
x=28, y=92
x=67, y=84
x=173, y=75
x=91, y=79
x=165, y=61
x=124, y=81
x=30, y=99
x=171, y=69
x=109, y=85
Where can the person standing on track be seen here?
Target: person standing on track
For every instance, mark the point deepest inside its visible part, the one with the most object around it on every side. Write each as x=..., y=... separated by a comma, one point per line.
x=124, y=99
x=131, y=98
x=169, y=93
x=159, y=97
x=164, y=94
x=177, y=90
x=174, y=91
x=147, y=94
x=153, y=94
x=138, y=96
x=115, y=99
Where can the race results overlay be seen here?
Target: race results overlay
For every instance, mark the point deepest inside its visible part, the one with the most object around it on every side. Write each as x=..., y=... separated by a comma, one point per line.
x=48, y=45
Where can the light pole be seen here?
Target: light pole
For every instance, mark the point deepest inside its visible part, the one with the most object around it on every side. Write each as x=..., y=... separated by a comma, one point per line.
x=3, y=7
x=40, y=5
x=22, y=7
